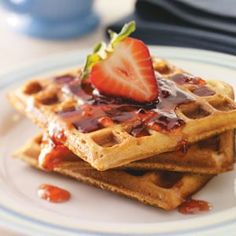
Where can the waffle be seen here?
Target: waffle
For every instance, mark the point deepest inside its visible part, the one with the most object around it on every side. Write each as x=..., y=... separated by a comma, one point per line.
x=211, y=156
x=162, y=189
x=205, y=114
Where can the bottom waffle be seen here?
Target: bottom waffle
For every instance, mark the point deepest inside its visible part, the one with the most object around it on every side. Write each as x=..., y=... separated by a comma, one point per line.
x=210, y=156
x=162, y=189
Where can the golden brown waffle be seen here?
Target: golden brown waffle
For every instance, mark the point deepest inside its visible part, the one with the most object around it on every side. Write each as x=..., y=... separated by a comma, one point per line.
x=211, y=156
x=115, y=145
x=162, y=189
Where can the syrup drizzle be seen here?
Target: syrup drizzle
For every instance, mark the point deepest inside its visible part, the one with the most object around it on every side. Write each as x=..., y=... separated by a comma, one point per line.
x=199, y=85
x=186, y=78
x=203, y=91
x=64, y=79
x=192, y=206
x=53, y=194
x=96, y=111
x=82, y=91
x=139, y=130
x=159, y=115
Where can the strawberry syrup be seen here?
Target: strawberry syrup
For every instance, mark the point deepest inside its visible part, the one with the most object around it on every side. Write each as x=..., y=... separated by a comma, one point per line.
x=53, y=194
x=192, y=206
x=53, y=152
x=96, y=111
x=185, y=78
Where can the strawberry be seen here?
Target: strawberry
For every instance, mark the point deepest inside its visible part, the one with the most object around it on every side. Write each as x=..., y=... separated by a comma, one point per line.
x=127, y=72
x=122, y=68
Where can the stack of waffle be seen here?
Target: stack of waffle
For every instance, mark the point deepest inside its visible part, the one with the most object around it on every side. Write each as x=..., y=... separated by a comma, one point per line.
x=159, y=154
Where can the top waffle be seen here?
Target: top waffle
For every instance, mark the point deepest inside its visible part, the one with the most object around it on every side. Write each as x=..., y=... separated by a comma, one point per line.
x=109, y=132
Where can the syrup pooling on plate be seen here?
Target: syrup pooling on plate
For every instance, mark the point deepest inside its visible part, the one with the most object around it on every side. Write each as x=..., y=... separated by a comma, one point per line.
x=192, y=206
x=159, y=115
x=53, y=193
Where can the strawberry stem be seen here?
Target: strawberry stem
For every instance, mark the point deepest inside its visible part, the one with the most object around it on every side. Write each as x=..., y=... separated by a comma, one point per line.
x=126, y=30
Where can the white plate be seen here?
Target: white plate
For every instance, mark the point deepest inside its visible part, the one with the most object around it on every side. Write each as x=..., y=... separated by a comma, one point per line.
x=92, y=210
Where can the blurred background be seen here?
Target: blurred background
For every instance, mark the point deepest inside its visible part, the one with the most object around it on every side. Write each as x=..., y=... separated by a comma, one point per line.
x=33, y=29
x=21, y=42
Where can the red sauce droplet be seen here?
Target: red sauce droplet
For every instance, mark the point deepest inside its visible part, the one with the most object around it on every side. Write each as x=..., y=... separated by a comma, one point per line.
x=53, y=154
x=203, y=91
x=194, y=206
x=53, y=194
x=183, y=146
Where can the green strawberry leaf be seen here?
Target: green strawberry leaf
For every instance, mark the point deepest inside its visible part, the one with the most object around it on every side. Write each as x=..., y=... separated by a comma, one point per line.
x=98, y=54
x=101, y=50
x=127, y=29
x=90, y=61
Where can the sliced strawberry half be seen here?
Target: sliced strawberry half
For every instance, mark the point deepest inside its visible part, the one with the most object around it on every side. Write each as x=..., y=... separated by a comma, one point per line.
x=127, y=72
